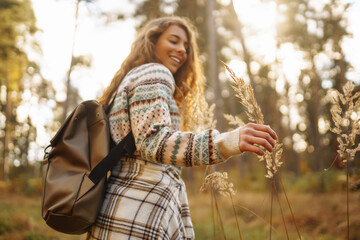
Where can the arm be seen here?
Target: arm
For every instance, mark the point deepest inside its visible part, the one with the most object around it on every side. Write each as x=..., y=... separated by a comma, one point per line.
x=246, y=138
x=155, y=120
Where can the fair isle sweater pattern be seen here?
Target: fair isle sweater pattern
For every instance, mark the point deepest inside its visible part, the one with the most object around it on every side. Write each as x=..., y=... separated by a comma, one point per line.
x=145, y=104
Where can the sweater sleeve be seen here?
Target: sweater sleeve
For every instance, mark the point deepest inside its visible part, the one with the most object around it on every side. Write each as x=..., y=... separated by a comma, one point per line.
x=154, y=119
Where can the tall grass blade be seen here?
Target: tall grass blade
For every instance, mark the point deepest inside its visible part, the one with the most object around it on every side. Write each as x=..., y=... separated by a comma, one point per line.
x=347, y=201
x=237, y=222
x=288, y=202
x=281, y=210
x=271, y=206
x=218, y=214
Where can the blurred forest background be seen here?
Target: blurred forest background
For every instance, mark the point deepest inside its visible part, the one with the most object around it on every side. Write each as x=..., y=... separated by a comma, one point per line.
x=294, y=73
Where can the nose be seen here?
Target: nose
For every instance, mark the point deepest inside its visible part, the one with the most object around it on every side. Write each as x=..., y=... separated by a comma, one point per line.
x=181, y=49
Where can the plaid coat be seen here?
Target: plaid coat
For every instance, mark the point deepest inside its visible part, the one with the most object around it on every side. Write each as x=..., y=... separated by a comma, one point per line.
x=145, y=197
x=144, y=201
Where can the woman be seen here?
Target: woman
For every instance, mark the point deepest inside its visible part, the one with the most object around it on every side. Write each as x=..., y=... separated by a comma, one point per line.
x=145, y=197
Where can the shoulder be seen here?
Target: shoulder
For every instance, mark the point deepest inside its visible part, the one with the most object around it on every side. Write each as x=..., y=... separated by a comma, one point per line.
x=151, y=68
x=150, y=74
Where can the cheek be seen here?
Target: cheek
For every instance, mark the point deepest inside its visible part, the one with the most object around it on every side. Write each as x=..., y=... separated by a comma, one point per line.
x=186, y=59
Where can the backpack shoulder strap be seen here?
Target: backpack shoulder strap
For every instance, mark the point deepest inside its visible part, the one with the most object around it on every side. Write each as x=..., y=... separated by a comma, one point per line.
x=107, y=107
x=127, y=145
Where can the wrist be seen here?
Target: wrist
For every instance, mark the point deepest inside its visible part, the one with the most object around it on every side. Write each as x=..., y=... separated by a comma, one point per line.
x=227, y=144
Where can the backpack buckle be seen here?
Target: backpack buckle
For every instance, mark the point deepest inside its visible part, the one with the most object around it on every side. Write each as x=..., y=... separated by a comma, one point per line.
x=46, y=152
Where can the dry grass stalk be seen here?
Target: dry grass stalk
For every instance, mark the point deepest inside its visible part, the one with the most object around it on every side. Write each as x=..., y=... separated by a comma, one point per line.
x=346, y=128
x=273, y=160
x=219, y=182
x=220, y=222
x=245, y=94
x=274, y=188
x=234, y=121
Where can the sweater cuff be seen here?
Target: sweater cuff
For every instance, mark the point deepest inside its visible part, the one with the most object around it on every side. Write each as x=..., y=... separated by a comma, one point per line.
x=227, y=144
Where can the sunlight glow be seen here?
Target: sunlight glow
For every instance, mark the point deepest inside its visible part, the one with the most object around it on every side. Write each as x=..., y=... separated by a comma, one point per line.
x=291, y=59
x=323, y=125
x=239, y=68
x=299, y=97
x=284, y=109
x=280, y=84
x=108, y=44
x=259, y=20
x=256, y=13
x=300, y=144
x=302, y=126
x=16, y=163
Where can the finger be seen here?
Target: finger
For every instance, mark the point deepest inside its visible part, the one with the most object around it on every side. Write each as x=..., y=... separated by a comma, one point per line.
x=246, y=147
x=265, y=128
x=260, y=141
x=261, y=134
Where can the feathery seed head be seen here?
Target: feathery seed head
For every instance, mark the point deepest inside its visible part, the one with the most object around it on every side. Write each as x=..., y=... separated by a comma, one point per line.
x=346, y=127
x=219, y=182
x=245, y=93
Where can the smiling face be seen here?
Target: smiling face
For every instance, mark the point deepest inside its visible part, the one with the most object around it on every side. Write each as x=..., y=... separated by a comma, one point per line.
x=171, y=48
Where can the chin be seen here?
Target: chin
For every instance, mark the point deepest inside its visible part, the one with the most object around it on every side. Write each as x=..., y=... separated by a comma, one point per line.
x=172, y=69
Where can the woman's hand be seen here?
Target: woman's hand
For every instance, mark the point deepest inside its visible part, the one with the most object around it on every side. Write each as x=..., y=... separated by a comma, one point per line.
x=261, y=135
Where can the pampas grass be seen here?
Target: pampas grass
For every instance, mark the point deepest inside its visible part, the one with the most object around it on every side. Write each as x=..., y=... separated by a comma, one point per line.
x=219, y=182
x=347, y=128
x=245, y=94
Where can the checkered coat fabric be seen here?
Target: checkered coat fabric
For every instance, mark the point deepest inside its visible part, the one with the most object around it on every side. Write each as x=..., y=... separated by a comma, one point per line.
x=144, y=201
x=146, y=198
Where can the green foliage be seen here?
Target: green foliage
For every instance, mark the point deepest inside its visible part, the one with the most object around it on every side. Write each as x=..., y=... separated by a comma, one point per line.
x=17, y=23
x=5, y=225
x=28, y=187
x=329, y=21
x=10, y=223
x=18, y=75
x=310, y=181
x=253, y=178
x=22, y=185
x=35, y=236
x=20, y=218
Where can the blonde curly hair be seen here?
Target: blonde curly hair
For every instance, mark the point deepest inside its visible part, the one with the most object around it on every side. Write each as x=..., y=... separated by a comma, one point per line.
x=143, y=51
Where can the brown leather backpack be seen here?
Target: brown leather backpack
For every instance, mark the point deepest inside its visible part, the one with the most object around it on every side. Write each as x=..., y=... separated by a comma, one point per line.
x=75, y=169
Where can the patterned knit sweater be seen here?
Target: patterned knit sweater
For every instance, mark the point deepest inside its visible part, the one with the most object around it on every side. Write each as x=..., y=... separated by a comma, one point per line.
x=144, y=103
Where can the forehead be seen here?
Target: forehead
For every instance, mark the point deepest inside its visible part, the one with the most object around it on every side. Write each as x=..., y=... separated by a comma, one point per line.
x=177, y=31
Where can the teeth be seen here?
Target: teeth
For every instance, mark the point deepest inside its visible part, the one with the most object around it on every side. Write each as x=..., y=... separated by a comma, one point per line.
x=175, y=59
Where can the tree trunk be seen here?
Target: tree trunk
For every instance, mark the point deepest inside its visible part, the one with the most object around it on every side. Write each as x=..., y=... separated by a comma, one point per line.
x=314, y=119
x=5, y=154
x=213, y=65
x=68, y=86
x=238, y=32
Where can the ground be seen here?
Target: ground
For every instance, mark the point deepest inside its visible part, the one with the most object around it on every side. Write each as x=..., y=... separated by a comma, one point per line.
x=318, y=216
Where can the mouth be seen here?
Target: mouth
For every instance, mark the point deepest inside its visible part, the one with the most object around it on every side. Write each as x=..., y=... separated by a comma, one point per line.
x=177, y=60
